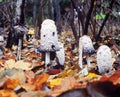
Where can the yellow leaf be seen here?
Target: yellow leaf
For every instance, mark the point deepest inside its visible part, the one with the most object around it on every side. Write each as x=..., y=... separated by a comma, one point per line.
x=14, y=47
x=92, y=75
x=31, y=31
x=55, y=82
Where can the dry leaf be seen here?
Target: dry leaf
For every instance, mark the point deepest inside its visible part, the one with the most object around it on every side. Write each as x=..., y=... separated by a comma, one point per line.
x=66, y=84
x=33, y=94
x=29, y=76
x=92, y=75
x=55, y=82
x=7, y=93
x=40, y=79
x=28, y=87
x=22, y=65
x=33, y=56
x=10, y=63
x=11, y=83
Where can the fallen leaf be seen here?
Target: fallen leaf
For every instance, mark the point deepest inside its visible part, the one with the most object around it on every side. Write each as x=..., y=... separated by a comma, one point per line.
x=66, y=84
x=10, y=63
x=33, y=94
x=40, y=79
x=11, y=83
x=92, y=75
x=28, y=87
x=33, y=56
x=22, y=65
x=53, y=71
x=29, y=77
x=7, y=93
x=55, y=82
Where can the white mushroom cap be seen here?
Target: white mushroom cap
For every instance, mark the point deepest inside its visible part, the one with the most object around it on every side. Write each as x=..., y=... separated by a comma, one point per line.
x=61, y=54
x=49, y=38
x=87, y=45
x=1, y=38
x=104, y=59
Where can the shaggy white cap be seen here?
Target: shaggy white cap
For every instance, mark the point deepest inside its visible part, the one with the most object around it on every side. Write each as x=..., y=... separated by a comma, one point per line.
x=87, y=44
x=104, y=59
x=49, y=38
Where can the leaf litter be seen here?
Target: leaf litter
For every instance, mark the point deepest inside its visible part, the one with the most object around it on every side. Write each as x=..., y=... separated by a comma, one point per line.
x=29, y=78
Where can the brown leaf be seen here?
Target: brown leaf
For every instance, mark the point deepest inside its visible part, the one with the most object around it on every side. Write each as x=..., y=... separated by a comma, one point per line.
x=40, y=79
x=33, y=56
x=11, y=83
x=53, y=71
x=66, y=84
x=113, y=78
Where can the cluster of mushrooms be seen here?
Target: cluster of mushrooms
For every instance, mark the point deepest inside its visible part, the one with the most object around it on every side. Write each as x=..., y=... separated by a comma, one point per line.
x=104, y=55
x=53, y=50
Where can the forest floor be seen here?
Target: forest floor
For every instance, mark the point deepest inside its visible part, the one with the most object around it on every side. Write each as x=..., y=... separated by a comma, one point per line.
x=29, y=78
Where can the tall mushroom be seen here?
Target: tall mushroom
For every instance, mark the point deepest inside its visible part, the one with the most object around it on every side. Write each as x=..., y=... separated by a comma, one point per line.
x=20, y=31
x=104, y=59
x=86, y=47
x=49, y=39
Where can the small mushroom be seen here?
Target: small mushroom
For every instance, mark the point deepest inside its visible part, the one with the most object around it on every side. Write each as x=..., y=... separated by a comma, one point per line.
x=49, y=39
x=20, y=30
x=1, y=44
x=104, y=59
x=86, y=47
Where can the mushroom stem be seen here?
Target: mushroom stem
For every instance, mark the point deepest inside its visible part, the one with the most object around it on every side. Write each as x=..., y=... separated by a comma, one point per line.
x=47, y=58
x=88, y=61
x=19, y=49
x=80, y=54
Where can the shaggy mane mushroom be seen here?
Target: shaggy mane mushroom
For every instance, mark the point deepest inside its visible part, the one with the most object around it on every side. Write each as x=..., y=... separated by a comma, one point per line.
x=85, y=47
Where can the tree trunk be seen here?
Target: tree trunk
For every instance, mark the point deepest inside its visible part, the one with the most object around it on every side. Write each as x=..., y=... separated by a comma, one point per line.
x=81, y=16
x=73, y=25
x=50, y=9
x=34, y=10
x=39, y=16
x=18, y=10
x=104, y=22
x=57, y=14
x=88, y=17
x=22, y=15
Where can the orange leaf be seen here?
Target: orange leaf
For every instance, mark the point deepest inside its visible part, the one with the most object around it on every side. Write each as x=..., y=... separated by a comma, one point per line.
x=12, y=83
x=114, y=77
x=68, y=33
x=33, y=56
x=7, y=93
x=40, y=63
x=40, y=79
